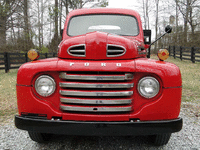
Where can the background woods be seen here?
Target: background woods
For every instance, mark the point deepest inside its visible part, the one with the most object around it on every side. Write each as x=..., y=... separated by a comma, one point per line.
x=182, y=15
x=26, y=24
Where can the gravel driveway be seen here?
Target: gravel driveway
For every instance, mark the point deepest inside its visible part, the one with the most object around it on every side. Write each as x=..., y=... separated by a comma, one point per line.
x=187, y=139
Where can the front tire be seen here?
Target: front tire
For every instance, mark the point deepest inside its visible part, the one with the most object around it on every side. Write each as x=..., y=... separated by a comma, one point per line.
x=39, y=137
x=160, y=139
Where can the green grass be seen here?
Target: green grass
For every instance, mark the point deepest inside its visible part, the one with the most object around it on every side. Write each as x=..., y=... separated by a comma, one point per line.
x=8, y=100
x=190, y=76
x=190, y=79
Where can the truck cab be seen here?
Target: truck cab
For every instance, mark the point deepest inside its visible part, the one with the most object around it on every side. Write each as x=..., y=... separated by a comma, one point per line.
x=101, y=83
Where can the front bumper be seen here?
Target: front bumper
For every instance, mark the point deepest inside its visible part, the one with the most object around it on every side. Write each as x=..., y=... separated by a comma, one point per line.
x=99, y=128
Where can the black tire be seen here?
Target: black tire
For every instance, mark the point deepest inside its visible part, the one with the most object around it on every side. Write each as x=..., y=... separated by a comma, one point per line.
x=39, y=137
x=160, y=139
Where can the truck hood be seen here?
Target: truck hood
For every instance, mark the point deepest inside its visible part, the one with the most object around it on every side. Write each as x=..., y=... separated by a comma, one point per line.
x=98, y=46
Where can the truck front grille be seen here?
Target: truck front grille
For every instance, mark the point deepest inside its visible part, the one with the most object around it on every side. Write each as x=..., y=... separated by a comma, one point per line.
x=96, y=92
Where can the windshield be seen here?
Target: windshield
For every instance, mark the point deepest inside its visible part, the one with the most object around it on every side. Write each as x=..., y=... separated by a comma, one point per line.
x=116, y=24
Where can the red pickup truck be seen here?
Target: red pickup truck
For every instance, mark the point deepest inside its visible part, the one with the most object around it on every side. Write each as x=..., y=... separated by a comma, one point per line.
x=101, y=83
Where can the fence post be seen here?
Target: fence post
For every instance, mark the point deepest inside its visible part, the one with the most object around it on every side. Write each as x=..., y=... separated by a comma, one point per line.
x=174, y=51
x=26, y=57
x=169, y=51
x=46, y=55
x=193, y=54
x=181, y=53
x=6, y=61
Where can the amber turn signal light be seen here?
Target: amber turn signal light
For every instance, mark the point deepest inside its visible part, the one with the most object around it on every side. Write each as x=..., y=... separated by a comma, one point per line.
x=33, y=54
x=163, y=54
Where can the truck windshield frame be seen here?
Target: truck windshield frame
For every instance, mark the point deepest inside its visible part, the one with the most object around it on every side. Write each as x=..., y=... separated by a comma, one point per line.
x=124, y=25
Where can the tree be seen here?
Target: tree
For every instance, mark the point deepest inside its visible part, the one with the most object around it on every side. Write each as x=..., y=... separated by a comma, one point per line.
x=28, y=43
x=99, y=3
x=146, y=14
x=77, y=4
x=39, y=23
x=176, y=36
x=54, y=14
x=190, y=14
x=56, y=22
x=156, y=23
x=7, y=9
x=60, y=16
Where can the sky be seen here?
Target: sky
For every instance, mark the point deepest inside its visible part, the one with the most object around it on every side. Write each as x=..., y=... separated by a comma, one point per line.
x=130, y=4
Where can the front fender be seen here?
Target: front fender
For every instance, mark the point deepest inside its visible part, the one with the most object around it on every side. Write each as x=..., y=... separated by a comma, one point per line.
x=28, y=70
x=168, y=72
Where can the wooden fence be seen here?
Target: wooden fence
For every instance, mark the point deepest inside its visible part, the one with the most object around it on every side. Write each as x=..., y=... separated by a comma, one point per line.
x=15, y=60
x=185, y=53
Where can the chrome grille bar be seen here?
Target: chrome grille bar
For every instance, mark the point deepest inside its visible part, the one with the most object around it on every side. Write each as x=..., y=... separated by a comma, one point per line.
x=96, y=109
x=115, y=51
x=95, y=102
x=80, y=93
x=77, y=51
x=86, y=85
x=127, y=76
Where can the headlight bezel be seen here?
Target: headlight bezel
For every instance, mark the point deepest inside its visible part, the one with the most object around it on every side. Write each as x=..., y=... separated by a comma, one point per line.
x=36, y=87
x=142, y=93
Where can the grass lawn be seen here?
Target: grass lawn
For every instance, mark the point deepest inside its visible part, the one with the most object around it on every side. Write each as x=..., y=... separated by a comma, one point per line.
x=190, y=79
x=8, y=100
x=190, y=76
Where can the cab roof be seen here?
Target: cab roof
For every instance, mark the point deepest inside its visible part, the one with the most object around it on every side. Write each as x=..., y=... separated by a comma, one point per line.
x=85, y=11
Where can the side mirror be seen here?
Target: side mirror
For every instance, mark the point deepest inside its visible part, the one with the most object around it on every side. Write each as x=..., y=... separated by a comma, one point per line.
x=147, y=36
x=61, y=32
x=168, y=29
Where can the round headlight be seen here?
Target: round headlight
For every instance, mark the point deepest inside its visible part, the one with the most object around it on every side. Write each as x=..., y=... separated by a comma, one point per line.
x=148, y=87
x=45, y=85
